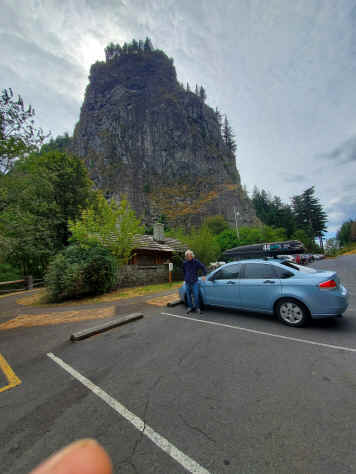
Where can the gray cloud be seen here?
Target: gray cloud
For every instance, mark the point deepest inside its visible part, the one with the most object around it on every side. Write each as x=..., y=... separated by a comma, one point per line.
x=344, y=153
x=294, y=178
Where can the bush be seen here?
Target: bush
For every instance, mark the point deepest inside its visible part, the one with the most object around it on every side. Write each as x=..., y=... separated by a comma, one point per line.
x=9, y=272
x=80, y=271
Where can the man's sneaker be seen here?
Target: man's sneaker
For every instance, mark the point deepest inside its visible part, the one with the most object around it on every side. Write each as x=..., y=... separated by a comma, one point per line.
x=189, y=310
x=199, y=311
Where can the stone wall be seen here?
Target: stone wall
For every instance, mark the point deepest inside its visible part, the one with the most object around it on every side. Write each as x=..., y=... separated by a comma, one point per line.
x=137, y=275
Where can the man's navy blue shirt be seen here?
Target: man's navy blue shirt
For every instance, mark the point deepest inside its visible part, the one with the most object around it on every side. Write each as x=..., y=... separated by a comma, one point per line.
x=190, y=269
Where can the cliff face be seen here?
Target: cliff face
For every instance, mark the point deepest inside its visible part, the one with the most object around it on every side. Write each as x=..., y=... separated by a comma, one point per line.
x=142, y=135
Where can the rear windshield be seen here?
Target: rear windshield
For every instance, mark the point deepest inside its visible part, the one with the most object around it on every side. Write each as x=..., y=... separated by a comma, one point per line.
x=300, y=268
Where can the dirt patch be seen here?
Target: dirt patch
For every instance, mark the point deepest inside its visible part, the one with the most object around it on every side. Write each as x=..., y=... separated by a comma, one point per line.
x=62, y=317
x=163, y=300
x=124, y=293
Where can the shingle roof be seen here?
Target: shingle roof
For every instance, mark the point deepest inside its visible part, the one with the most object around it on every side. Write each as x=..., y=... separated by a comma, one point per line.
x=146, y=242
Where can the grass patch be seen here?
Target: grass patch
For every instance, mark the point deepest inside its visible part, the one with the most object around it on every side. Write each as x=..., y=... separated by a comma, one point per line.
x=41, y=298
x=349, y=249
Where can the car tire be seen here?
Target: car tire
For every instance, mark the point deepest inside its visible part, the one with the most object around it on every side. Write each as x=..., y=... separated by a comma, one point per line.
x=292, y=312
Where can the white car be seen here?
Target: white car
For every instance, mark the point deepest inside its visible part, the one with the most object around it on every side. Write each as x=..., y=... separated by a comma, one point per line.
x=286, y=257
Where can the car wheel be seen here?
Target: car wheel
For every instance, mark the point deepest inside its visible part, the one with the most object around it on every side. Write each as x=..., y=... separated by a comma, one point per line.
x=292, y=312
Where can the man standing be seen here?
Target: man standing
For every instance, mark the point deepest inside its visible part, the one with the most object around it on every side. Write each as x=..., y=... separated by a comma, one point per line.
x=191, y=267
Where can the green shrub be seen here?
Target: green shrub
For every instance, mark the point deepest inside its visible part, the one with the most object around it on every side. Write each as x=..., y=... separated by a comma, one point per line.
x=9, y=272
x=80, y=271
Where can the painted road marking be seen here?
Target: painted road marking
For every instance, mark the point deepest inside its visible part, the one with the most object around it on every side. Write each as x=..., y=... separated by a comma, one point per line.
x=253, y=331
x=12, y=378
x=188, y=463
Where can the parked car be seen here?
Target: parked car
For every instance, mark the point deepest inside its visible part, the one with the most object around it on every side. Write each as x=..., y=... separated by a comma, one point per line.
x=318, y=256
x=286, y=257
x=215, y=265
x=293, y=292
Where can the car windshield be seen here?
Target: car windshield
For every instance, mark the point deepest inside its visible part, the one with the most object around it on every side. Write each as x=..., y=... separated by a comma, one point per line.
x=300, y=268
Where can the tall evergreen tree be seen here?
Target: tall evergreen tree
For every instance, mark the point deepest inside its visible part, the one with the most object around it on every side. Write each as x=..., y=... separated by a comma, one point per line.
x=309, y=214
x=218, y=117
x=344, y=233
x=148, y=47
x=228, y=136
x=202, y=94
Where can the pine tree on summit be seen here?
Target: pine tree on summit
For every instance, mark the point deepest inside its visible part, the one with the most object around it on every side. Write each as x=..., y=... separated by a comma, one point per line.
x=202, y=94
x=148, y=48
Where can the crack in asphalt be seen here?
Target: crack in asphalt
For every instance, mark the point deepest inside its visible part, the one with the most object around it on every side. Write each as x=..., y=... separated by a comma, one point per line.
x=195, y=428
x=142, y=432
x=186, y=355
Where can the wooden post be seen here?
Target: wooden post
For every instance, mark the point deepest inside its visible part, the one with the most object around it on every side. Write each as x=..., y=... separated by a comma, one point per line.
x=170, y=268
x=28, y=282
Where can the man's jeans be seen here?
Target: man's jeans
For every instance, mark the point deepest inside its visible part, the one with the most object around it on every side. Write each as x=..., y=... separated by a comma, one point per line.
x=193, y=288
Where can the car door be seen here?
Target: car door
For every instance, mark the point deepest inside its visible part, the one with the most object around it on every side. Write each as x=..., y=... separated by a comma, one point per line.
x=259, y=286
x=222, y=288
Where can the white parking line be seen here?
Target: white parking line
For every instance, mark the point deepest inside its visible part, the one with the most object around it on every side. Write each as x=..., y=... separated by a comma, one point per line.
x=253, y=331
x=188, y=463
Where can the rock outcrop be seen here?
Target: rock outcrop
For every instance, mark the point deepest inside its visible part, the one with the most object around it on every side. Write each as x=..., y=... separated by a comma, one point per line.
x=143, y=135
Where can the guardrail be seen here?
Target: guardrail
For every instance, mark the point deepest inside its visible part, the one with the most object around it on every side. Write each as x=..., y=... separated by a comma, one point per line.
x=28, y=283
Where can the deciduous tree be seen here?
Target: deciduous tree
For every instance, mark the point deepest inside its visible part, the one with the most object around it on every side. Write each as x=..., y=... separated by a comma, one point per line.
x=18, y=134
x=111, y=225
x=37, y=198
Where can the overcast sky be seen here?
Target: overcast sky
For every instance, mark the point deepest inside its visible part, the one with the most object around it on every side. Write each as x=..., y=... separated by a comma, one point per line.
x=284, y=72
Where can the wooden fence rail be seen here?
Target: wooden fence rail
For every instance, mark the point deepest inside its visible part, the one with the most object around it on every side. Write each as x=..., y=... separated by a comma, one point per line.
x=27, y=283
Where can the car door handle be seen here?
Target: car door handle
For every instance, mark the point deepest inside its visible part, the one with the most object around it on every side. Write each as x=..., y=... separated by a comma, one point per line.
x=268, y=281
x=231, y=283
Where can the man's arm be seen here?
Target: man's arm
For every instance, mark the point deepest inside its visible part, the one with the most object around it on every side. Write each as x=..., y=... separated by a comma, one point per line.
x=202, y=267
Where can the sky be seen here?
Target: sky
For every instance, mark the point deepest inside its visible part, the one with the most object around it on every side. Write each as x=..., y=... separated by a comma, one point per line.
x=282, y=71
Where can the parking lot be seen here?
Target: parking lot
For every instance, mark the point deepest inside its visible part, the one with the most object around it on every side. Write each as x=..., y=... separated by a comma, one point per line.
x=224, y=392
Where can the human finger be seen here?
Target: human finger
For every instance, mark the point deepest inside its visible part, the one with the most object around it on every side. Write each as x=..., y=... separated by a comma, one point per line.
x=81, y=457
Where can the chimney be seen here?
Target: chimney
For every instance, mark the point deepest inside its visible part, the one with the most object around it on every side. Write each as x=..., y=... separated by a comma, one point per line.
x=158, y=232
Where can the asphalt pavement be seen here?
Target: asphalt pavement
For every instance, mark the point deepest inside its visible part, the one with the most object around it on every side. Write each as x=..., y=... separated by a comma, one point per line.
x=224, y=392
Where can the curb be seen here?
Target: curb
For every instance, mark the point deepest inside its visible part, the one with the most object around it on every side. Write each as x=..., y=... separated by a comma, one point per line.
x=174, y=303
x=78, y=336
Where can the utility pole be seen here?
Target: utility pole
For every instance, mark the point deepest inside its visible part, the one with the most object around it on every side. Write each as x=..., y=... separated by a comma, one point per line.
x=236, y=213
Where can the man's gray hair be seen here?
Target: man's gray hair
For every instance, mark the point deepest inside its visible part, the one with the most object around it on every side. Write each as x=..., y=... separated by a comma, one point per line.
x=189, y=252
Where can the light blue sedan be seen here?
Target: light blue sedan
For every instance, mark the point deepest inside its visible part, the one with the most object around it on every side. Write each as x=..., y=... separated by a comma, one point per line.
x=293, y=292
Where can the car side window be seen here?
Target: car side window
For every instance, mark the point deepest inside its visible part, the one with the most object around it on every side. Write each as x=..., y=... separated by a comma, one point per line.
x=283, y=273
x=228, y=273
x=259, y=270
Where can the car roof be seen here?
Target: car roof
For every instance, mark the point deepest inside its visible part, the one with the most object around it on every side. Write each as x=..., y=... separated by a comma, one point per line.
x=258, y=260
